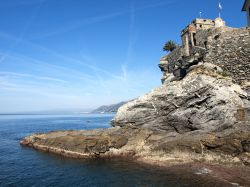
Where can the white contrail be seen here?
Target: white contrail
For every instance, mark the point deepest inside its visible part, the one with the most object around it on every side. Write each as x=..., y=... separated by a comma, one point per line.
x=26, y=27
x=97, y=19
x=64, y=57
x=23, y=75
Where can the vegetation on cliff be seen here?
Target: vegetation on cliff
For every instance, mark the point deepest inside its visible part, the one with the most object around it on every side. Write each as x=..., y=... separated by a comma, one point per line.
x=170, y=46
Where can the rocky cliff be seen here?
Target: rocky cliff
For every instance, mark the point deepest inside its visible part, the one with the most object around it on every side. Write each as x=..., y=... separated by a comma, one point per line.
x=200, y=113
x=204, y=100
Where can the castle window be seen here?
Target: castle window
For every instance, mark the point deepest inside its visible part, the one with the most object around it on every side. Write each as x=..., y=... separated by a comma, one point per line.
x=194, y=38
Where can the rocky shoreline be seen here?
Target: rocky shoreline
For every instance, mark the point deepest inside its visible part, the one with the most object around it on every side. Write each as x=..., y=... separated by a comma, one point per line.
x=147, y=145
x=224, y=158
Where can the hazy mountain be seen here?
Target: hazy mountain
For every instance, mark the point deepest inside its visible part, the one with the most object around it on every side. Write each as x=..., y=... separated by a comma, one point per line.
x=109, y=108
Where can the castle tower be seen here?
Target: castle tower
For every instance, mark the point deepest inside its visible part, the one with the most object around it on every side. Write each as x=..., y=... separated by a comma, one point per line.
x=188, y=34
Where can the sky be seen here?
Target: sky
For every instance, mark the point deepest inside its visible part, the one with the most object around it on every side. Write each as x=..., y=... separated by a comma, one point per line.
x=80, y=54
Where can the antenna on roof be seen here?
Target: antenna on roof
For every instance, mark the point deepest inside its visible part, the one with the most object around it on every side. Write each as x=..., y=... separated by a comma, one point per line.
x=200, y=14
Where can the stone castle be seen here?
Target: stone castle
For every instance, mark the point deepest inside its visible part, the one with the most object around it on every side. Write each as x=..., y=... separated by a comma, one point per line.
x=211, y=41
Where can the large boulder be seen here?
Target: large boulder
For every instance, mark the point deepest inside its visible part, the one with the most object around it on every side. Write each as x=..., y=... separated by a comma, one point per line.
x=206, y=99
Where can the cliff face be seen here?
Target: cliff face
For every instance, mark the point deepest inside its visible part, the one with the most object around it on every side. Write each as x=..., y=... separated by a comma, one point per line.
x=204, y=94
x=201, y=91
x=205, y=99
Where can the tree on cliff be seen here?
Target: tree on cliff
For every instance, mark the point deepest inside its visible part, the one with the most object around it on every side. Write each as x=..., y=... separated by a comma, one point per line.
x=170, y=46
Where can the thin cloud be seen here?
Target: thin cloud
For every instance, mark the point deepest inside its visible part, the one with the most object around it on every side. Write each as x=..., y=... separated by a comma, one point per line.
x=131, y=42
x=154, y=5
x=98, y=19
x=28, y=24
x=24, y=75
x=61, y=56
x=124, y=72
x=32, y=89
x=132, y=34
x=45, y=67
x=81, y=23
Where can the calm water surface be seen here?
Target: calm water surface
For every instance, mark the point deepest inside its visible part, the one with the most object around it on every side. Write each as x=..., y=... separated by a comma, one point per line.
x=20, y=166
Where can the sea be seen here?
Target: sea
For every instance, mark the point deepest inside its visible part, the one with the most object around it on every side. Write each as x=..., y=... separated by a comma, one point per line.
x=23, y=166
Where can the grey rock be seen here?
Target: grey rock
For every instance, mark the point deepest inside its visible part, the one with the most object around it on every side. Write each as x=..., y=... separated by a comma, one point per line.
x=246, y=145
x=204, y=100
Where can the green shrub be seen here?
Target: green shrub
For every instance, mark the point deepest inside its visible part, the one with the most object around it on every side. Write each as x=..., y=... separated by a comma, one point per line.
x=170, y=46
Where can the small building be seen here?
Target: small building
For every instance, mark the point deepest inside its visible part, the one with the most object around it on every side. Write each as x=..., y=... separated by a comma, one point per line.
x=246, y=8
x=188, y=34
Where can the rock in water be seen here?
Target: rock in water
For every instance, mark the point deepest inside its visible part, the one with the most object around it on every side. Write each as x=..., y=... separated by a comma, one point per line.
x=204, y=100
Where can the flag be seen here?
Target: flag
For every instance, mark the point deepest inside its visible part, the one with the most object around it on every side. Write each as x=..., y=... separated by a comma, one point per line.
x=220, y=7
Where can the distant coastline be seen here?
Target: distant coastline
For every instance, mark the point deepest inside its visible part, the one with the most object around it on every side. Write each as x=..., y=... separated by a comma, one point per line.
x=105, y=109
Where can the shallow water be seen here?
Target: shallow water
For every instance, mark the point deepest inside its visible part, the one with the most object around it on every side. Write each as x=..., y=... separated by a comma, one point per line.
x=21, y=166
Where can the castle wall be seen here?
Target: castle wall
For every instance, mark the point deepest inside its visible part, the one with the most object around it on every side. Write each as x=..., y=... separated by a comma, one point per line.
x=229, y=48
x=203, y=23
x=185, y=44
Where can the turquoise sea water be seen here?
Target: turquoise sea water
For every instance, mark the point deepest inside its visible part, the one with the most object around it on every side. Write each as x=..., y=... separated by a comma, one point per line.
x=21, y=166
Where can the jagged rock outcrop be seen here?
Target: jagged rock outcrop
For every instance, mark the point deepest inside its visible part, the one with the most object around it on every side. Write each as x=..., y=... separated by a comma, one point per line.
x=204, y=100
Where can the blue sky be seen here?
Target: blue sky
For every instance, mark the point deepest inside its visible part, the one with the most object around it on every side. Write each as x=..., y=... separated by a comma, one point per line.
x=79, y=54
